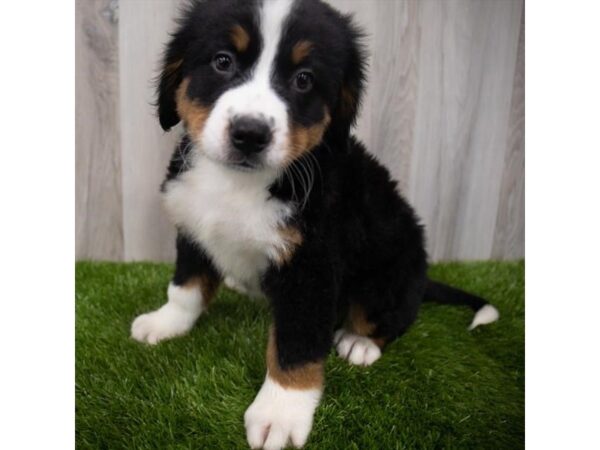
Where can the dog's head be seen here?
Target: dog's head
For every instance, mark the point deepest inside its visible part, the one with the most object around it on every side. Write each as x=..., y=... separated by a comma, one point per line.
x=260, y=83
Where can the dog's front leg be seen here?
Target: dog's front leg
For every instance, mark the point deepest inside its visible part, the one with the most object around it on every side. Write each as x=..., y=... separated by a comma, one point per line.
x=299, y=341
x=191, y=289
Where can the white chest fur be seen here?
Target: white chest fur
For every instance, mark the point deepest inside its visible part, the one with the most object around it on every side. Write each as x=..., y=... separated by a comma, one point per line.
x=231, y=214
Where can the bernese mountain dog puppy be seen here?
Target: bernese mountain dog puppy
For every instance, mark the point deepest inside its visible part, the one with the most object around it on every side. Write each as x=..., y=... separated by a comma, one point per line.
x=269, y=189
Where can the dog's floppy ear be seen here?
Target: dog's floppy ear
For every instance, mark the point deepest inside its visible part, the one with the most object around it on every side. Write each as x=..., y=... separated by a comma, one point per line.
x=170, y=78
x=350, y=94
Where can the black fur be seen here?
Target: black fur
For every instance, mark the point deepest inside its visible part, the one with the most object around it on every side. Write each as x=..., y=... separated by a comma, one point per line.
x=362, y=242
x=447, y=295
x=191, y=261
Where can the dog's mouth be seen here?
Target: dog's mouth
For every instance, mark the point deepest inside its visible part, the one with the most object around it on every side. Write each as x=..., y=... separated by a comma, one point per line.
x=244, y=165
x=236, y=161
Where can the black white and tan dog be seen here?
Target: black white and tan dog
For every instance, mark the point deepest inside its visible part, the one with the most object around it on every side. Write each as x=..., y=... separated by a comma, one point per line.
x=269, y=189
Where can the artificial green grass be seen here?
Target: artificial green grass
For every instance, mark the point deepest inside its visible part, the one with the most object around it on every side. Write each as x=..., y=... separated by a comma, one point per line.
x=439, y=386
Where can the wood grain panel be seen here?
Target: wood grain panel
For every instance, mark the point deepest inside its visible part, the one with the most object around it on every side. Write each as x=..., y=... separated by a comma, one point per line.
x=99, y=233
x=509, y=238
x=144, y=28
x=424, y=189
x=394, y=84
x=488, y=144
x=467, y=62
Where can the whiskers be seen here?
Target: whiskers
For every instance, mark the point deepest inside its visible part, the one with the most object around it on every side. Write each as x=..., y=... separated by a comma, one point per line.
x=183, y=154
x=302, y=170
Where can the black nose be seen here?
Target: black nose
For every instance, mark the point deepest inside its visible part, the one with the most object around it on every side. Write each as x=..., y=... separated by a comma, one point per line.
x=249, y=135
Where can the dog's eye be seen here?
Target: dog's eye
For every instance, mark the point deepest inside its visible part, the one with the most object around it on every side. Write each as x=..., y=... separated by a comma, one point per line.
x=223, y=62
x=303, y=81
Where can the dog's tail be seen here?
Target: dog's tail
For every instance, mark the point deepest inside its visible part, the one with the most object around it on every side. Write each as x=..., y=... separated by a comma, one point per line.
x=447, y=295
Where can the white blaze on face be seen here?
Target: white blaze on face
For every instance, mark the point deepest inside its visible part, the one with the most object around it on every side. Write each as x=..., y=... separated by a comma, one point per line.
x=256, y=97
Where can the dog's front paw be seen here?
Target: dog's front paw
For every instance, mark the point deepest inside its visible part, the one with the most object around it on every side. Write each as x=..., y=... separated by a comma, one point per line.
x=279, y=416
x=167, y=322
x=358, y=350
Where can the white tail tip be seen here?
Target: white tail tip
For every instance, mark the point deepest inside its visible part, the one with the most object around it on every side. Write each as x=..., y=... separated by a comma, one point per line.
x=486, y=314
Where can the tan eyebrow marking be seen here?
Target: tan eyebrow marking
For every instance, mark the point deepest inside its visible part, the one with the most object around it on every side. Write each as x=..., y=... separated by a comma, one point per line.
x=301, y=51
x=240, y=38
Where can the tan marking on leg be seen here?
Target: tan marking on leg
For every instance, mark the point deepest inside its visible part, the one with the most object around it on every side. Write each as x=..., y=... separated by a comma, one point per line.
x=304, y=139
x=207, y=285
x=358, y=323
x=380, y=342
x=357, y=320
x=307, y=376
x=190, y=111
x=240, y=38
x=300, y=51
x=292, y=238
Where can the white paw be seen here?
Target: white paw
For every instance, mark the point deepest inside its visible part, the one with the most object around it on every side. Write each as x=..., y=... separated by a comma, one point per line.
x=279, y=417
x=174, y=318
x=164, y=323
x=358, y=350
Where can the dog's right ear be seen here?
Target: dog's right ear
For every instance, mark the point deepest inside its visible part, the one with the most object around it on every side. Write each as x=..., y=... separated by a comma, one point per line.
x=169, y=80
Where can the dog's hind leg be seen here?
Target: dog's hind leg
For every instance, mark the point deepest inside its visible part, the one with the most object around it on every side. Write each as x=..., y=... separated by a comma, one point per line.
x=354, y=342
x=381, y=309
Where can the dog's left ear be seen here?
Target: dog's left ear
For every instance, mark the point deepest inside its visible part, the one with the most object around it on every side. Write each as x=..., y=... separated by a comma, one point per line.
x=350, y=94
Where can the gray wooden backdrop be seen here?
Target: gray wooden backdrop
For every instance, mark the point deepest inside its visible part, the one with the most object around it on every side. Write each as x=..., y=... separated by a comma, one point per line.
x=444, y=112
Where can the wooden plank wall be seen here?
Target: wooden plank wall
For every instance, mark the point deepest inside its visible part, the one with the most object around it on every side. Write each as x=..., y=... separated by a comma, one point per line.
x=98, y=191
x=144, y=27
x=444, y=110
